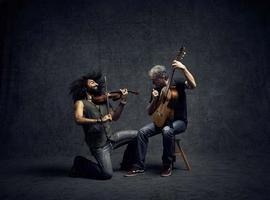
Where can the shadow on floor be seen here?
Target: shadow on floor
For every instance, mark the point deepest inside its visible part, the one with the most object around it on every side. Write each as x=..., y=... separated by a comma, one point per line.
x=47, y=171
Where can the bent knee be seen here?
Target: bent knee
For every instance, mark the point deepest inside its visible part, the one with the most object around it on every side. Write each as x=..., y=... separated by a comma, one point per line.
x=167, y=132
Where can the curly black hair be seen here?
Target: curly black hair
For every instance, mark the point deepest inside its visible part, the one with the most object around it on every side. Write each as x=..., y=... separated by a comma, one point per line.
x=78, y=87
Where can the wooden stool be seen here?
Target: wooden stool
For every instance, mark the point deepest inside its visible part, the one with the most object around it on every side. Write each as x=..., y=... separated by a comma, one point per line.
x=179, y=151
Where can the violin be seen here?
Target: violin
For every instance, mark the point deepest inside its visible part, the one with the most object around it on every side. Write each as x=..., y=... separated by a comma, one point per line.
x=114, y=95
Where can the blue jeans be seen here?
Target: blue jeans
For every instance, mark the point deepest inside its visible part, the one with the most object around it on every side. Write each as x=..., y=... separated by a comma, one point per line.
x=103, y=168
x=168, y=132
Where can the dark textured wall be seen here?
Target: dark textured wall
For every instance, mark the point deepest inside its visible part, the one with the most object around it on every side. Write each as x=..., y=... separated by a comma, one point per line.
x=45, y=45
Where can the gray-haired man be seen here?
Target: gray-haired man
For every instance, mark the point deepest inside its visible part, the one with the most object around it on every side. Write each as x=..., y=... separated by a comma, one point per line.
x=177, y=125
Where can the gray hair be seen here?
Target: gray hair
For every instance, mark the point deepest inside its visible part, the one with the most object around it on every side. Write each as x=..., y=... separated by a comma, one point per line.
x=158, y=71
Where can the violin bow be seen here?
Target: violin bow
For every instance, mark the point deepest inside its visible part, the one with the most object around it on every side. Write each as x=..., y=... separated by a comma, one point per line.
x=106, y=92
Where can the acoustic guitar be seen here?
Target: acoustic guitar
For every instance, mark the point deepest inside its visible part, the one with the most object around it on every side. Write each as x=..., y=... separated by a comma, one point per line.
x=168, y=93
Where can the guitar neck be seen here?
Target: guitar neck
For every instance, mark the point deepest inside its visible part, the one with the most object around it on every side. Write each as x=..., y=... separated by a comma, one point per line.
x=170, y=81
x=179, y=57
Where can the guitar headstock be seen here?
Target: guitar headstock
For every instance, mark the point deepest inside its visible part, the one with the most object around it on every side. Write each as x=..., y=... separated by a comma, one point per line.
x=181, y=54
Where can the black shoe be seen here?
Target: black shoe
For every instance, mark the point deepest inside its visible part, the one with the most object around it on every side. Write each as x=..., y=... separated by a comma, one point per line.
x=134, y=172
x=77, y=162
x=125, y=167
x=166, y=171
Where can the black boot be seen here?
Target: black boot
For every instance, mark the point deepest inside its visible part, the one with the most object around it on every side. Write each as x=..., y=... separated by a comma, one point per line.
x=76, y=169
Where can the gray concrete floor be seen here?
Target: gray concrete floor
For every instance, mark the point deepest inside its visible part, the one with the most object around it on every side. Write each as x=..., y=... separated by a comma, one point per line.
x=212, y=177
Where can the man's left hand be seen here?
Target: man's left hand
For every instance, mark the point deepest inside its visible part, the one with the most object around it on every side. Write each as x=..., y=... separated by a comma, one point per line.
x=106, y=118
x=124, y=94
x=178, y=65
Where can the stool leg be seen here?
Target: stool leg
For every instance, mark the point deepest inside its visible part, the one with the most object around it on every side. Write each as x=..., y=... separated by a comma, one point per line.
x=173, y=161
x=183, y=155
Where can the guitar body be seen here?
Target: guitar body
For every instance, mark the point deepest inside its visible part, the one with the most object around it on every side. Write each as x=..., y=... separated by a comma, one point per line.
x=163, y=112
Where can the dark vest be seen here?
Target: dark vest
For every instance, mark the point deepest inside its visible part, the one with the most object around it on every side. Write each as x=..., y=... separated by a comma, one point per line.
x=96, y=134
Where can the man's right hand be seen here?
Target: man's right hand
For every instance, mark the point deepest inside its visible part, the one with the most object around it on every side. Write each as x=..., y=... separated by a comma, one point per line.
x=155, y=94
x=106, y=118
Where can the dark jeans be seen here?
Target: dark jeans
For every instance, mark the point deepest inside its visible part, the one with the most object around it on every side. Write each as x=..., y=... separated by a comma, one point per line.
x=168, y=132
x=103, y=168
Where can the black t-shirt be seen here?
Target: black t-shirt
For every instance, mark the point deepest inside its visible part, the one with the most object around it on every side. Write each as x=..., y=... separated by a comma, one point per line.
x=180, y=104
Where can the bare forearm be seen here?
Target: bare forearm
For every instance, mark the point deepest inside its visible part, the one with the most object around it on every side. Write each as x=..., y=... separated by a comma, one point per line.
x=83, y=120
x=189, y=78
